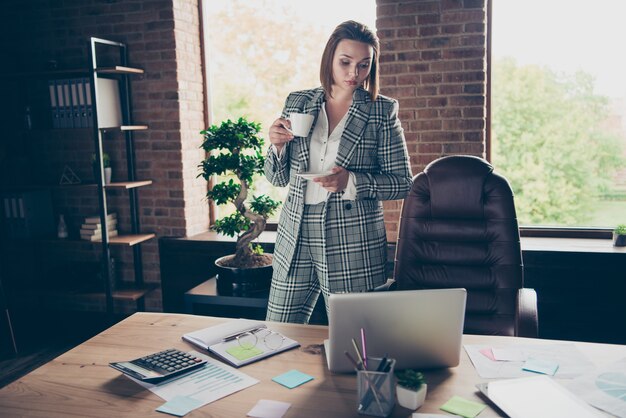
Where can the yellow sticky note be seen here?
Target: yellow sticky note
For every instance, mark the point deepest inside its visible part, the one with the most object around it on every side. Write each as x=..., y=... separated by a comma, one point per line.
x=241, y=353
x=463, y=407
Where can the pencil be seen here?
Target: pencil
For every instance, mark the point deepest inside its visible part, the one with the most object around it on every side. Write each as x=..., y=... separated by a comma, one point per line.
x=363, y=348
x=358, y=352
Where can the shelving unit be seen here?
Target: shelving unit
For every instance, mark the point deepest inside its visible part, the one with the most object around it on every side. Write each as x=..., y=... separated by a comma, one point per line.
x=34, y=277
x=120, y=72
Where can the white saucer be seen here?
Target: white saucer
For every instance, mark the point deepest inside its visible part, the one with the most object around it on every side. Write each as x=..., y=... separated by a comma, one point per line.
x=311, y=176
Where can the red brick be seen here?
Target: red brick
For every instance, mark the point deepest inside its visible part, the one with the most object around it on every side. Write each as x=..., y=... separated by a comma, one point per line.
x=386, y=10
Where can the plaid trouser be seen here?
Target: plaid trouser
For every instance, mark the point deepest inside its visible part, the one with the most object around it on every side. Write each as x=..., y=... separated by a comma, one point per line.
x=294, y=299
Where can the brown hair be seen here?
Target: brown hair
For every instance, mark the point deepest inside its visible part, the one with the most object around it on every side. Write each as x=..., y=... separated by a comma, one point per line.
x=354, y=31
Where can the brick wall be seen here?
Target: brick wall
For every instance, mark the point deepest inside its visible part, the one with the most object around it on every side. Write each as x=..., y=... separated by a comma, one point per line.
x=433, y=61
x=191, y=104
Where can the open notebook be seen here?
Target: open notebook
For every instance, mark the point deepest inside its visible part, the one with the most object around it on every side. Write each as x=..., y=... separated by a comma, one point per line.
x=241, y=341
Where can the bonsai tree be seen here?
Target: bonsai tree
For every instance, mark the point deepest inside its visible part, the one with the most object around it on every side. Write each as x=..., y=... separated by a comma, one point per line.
x=237, y=149
x=410, y=379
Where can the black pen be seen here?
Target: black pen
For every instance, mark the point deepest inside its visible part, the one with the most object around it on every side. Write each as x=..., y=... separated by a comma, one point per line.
x=383, y=365
x=234, y=336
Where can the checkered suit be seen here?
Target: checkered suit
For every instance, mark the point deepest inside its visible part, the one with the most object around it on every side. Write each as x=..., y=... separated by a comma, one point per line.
x=355, y=246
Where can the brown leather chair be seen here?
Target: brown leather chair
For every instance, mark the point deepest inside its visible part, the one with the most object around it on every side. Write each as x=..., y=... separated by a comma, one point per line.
x=458, y=228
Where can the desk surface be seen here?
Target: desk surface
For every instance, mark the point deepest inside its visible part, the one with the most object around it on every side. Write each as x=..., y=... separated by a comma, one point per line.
x=80, y=383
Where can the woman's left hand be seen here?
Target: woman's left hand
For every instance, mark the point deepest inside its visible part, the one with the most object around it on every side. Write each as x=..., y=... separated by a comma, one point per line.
x=335, y=182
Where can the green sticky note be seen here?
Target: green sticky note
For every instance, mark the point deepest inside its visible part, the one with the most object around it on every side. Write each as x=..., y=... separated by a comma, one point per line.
x=463, y=407
x=292, y=378
x=179, y=406
x=241, y=353
x=540, y=366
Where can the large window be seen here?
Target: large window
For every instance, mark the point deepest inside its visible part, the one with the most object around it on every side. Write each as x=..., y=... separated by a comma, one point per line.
x=259, y=51
x=558, y=106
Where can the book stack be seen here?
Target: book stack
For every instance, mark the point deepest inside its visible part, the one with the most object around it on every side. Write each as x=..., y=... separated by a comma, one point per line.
x=91, y=229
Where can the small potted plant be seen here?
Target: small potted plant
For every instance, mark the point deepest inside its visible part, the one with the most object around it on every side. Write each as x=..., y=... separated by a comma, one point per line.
x=410, y=388
x=106, y=164
x=619, y=236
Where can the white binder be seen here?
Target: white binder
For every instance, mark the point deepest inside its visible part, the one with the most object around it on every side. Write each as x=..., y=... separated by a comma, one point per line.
x=108, y=102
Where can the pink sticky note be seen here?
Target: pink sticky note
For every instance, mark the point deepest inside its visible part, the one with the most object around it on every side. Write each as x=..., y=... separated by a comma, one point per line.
x=488, y=353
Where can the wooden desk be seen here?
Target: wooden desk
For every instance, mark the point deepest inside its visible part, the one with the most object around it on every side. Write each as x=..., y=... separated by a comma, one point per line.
x=80, y=383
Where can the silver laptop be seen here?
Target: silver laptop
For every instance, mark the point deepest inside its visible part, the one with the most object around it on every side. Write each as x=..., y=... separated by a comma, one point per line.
x=421, y=329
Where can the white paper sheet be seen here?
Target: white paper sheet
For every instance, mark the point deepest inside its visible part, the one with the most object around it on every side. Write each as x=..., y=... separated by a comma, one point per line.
x=212, y=382
x=507, y=354
x=604, y=388
x=265, y=408
x=571, y=361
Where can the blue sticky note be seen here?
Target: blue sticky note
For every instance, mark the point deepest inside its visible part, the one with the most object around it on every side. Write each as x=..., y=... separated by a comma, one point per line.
x=179, y=406
x=536, y=365
x=292, y=378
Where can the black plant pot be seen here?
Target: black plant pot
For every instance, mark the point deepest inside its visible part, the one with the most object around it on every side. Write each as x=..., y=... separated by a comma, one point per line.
x=619, y=240
x=243, y=282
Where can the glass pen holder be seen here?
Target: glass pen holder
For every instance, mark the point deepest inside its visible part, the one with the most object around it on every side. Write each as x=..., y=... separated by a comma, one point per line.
x=376, y=390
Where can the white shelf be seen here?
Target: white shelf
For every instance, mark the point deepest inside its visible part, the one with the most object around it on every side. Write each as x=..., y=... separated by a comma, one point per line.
x=119, y=69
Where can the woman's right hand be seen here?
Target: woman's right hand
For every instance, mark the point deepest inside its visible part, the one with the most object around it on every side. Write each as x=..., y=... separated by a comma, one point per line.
x=279, y=133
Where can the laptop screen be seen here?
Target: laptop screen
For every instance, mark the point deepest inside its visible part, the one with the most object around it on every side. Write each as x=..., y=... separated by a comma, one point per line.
x=418, y=328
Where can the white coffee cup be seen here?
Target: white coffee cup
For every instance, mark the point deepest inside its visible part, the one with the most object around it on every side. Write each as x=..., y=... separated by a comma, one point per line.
x=300, y=124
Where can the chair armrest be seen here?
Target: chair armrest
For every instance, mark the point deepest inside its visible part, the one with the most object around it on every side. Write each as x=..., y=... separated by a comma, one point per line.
x=390, y=285
x=526, y=318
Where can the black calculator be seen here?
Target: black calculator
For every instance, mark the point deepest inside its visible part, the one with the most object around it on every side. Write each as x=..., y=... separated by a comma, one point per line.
x=157, y=367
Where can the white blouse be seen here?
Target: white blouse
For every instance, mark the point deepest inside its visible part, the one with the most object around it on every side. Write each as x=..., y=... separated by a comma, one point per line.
x=322, y=156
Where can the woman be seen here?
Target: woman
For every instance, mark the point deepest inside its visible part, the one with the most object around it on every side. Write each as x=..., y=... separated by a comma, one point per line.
x=331, y=233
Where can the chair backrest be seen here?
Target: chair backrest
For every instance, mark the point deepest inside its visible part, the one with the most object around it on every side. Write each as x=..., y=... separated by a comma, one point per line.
x=458, y=228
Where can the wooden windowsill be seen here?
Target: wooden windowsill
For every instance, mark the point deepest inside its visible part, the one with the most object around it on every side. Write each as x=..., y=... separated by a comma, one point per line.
x=571, y=245
x=565, y=245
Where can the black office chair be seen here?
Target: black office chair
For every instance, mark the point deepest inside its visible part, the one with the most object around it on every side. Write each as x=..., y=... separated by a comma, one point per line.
x=458, y=228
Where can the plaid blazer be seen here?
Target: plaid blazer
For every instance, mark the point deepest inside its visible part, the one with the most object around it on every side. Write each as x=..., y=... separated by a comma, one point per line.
x=373, y=148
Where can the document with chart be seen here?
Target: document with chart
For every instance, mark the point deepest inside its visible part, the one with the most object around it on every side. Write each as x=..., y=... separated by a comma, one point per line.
x=207, y=384
x=604, y=388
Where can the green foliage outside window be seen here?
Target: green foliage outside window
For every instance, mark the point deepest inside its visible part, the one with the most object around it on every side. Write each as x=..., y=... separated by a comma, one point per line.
x=255, y=63
x=548, y=140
